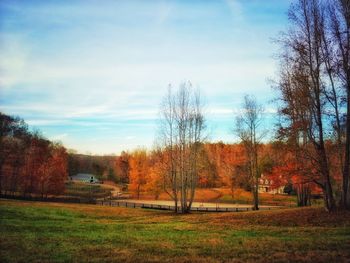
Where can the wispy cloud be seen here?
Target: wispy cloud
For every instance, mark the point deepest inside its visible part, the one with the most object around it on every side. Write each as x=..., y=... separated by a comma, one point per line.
x=100, y=69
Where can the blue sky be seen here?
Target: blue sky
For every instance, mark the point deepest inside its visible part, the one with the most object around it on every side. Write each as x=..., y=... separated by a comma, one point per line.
x=92, y=73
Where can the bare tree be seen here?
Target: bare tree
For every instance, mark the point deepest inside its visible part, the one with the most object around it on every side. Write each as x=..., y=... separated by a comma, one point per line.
x=182, y=125
x=314, y=83
x=248, y=129
x=339, y=39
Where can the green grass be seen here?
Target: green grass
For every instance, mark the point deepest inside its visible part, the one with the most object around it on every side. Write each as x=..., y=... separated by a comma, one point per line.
x=52, y=232
x=264, y=199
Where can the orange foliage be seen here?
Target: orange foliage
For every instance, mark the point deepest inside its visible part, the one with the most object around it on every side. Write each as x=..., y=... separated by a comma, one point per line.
x=226, y=158
x=139, y=171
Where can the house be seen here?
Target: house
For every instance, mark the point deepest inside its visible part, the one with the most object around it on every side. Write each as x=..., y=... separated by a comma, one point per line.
x=267, y=185
x=86, y=178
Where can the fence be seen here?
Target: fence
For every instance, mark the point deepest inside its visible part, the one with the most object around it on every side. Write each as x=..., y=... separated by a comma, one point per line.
x=170, y=207
x=134, y=205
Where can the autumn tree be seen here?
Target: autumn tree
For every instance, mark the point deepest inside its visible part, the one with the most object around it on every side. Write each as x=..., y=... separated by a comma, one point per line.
x=123, y=167
x=139, y=171
x=29, y=163
x=338, y=65
x=228, y=165
x=207, y=170
x=155, y=178
x=248, y=129
x=313, y=87
x=53, y=171
x=14, y=136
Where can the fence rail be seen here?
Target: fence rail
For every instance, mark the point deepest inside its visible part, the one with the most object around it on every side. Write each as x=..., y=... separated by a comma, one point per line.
x=172, y=207
x=114, y=203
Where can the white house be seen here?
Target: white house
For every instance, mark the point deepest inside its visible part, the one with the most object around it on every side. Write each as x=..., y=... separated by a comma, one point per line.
x=86, y=178
x=266, y=186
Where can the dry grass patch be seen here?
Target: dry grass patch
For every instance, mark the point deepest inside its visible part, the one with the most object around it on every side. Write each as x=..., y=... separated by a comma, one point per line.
x=286, y=218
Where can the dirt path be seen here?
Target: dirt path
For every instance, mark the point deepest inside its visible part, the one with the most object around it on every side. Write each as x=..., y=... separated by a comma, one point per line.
x=116, y=189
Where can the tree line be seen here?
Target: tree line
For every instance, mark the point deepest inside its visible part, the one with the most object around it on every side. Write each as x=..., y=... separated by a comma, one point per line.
x=29, y=163
x=311, y=149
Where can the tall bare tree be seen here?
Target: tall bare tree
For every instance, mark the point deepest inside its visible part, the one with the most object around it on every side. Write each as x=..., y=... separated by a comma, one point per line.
x=248, y=129
x=182, y=125
x=339, y=39
x=314, y=89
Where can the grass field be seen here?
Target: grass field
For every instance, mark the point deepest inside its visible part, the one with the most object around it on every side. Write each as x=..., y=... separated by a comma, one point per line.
x=244, y=197
x=85, y=190
x=224, y=195
x=53, y=232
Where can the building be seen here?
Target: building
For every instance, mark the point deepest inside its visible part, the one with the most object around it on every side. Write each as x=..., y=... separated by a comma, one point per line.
x=267, y=185
x=86, y=178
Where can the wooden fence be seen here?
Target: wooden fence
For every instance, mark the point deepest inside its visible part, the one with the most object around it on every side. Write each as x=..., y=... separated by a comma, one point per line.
x=171, y=207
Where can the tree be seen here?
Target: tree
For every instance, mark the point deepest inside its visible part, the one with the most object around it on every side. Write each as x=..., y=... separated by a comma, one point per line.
x=139, y=170
x=29, y=164
x=14, y=136
x=339, y=63
x=207, y=170
x=36, y=155
x=181, y=137
x=123, y=167
x=53, y=172
x=155, y=183
x=313, y=87
x=248, y=129
x=227, y=165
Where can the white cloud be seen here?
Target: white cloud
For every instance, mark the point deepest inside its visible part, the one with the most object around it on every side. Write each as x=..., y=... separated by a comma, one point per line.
x=59, y=137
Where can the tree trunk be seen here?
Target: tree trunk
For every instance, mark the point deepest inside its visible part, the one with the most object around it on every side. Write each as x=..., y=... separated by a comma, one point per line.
x=303, y=195
x=346, y=171
x=256, y=197
x=327, y=191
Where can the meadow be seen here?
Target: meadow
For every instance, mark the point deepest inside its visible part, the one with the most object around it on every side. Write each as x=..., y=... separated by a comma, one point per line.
x=224, y=195
x=56, y=232
x=85, y=190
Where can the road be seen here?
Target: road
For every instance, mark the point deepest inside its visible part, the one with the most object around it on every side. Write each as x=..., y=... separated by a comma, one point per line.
x=116, y=189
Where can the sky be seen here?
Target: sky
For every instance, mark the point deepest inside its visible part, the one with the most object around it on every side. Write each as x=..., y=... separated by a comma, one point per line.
x=92, y=73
